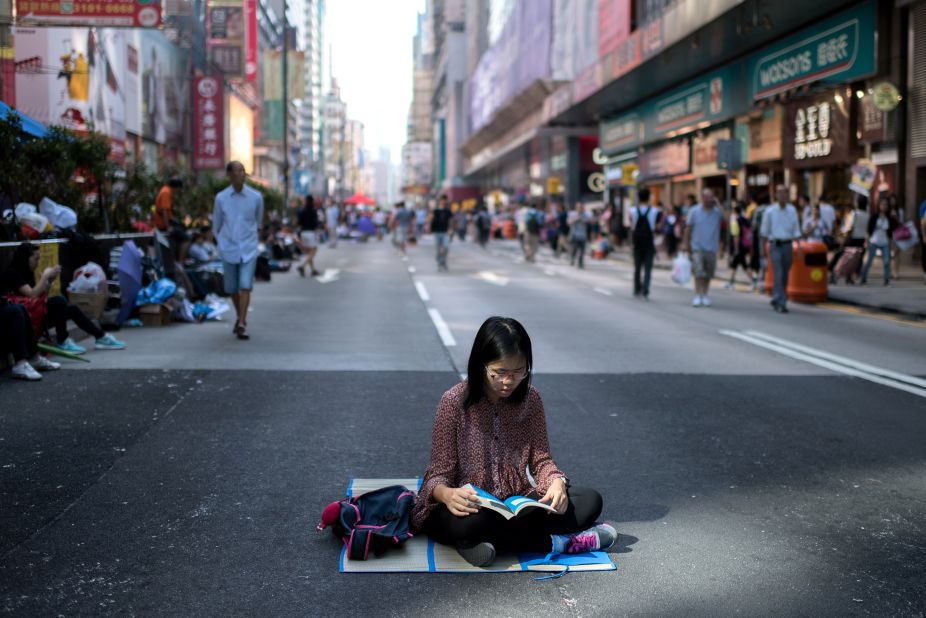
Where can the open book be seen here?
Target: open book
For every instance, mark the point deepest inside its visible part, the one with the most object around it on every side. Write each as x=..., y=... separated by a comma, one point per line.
x=512, y=507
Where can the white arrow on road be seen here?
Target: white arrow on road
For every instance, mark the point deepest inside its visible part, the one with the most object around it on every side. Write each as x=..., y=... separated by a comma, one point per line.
x=330, y=274
x=489, y=277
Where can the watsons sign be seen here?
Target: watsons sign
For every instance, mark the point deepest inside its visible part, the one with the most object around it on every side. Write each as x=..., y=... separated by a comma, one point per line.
x=838, y=49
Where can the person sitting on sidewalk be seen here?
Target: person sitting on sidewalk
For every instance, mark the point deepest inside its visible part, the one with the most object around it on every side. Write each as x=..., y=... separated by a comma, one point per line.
x=17, y=338
x=488, y=430
x=18, y=282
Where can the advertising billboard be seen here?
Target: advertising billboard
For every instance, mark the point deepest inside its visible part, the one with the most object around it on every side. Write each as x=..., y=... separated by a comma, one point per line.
x=73, y=77
x=519, y=57
x=164, y=89
x=613, y=25
x=101, y=13
x=226, y=27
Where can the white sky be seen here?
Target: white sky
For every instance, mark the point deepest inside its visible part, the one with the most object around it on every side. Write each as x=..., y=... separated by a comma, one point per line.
x=371, y=46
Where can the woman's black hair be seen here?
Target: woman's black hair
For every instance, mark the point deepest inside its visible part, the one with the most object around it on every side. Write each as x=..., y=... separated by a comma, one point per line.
x=498, y=337
x=20, y=262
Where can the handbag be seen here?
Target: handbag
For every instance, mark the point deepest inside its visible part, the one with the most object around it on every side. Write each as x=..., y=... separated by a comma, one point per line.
x=905, y=236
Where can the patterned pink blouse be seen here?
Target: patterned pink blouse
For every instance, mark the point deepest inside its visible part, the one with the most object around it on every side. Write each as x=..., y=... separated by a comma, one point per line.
x=490, y=445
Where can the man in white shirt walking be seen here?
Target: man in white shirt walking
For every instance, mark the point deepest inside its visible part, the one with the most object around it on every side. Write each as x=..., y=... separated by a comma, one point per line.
x=237, y=217
x=780, y=226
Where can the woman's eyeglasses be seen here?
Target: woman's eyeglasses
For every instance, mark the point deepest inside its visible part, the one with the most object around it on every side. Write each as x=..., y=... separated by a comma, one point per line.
x=502, y=375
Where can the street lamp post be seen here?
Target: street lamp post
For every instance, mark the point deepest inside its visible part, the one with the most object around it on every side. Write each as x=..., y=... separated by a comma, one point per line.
x=285, y=106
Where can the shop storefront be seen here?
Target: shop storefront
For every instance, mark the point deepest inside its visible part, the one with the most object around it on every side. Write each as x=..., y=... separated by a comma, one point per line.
x=678, y=133
x=810, y=85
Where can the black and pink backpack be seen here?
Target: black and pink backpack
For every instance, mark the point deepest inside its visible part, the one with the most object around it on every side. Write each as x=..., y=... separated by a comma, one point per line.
x=375, y=521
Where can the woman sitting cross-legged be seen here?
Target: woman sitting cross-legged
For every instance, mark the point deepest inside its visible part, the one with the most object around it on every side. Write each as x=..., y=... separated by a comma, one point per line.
x=488, y=431
x=18, y=283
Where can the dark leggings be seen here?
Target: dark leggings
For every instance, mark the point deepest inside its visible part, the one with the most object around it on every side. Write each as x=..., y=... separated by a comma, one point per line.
x=528, y=533
x=16, y=332
x=59, y=312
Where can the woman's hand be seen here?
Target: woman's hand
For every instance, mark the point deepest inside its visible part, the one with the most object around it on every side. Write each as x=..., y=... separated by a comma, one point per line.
x=51, y=272
x=460, y=501
x=556, y=496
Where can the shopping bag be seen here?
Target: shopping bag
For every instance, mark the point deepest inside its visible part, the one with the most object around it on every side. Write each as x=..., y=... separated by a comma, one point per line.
x=905, y=236
x=681, y=269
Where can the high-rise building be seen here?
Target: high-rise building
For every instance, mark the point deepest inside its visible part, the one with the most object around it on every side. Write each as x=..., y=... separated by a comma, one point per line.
x=310, y=159
x=416, y=153
x=334, y=129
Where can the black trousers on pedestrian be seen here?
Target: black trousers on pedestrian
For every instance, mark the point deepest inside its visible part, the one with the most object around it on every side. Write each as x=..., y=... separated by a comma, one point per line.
x=578, y=251
x=642, y=261
x=16, y=335
x=59, y=312
x=528, y=533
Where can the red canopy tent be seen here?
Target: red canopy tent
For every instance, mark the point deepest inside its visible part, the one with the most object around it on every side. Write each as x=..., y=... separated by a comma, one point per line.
x=360, y=198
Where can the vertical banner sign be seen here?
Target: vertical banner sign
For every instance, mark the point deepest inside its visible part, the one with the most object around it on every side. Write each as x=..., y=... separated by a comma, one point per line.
x=250, y=55
x=208, y=124
x=8, y=76
x=226, y=28
x=112, y=13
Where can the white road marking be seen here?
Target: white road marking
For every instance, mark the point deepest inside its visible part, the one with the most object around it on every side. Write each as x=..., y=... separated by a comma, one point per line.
x=442, y=329
x=842, y=360
x=549, y=271
x=489, y=277
x=330, y=274
x=817, y=358
x=604, y=291
x=411, y=269
x=422, y=292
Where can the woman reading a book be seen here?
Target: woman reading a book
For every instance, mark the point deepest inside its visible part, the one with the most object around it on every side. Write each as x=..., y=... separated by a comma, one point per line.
x=488, y=431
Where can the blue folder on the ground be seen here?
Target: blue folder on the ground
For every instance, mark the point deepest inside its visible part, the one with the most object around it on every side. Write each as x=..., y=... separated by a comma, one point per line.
x=422, y=555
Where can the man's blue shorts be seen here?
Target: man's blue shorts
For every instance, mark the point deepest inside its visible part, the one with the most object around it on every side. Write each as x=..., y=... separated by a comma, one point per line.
x=239, y=276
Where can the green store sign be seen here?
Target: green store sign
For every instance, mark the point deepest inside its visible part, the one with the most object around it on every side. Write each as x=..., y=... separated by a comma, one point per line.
x=712, y=98
x=839, y=49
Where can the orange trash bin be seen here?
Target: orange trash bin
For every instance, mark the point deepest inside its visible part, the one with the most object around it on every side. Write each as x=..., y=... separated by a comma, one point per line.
x=807, y=281
x=510, y=230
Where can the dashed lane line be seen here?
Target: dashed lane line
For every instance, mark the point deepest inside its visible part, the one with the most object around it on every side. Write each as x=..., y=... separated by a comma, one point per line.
x=442, y=329
x=422, y=291
x=604, y=291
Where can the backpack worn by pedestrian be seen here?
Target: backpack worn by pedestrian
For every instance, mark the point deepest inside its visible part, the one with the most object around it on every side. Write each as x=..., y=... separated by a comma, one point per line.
x=533, y=224
x=376, y=520
x=642, y=233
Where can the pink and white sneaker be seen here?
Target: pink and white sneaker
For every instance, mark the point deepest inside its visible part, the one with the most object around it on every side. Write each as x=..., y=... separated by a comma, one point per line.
x=598, y=537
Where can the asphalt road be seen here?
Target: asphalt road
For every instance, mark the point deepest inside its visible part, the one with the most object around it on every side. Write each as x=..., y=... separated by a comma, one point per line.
x=753, y=463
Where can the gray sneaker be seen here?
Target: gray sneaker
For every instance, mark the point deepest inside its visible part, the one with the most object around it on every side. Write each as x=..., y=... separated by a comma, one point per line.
x=479, y=555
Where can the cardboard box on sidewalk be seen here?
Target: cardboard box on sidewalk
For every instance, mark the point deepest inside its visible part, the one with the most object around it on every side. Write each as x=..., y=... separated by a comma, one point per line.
x=154, y=315
x=91, y=303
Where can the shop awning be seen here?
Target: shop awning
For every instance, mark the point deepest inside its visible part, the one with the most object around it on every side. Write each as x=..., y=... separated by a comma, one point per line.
x=29, y=126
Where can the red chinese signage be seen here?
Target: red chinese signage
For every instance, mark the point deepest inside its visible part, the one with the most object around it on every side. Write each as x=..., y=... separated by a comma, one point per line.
x=208, y=124
x=109, y=13
x=250, y=40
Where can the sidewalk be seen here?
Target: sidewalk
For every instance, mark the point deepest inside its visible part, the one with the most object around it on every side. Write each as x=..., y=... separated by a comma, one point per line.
x=905, y=296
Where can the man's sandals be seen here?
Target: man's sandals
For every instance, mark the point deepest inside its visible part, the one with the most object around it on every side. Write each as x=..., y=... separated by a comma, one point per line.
x=241, y=332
